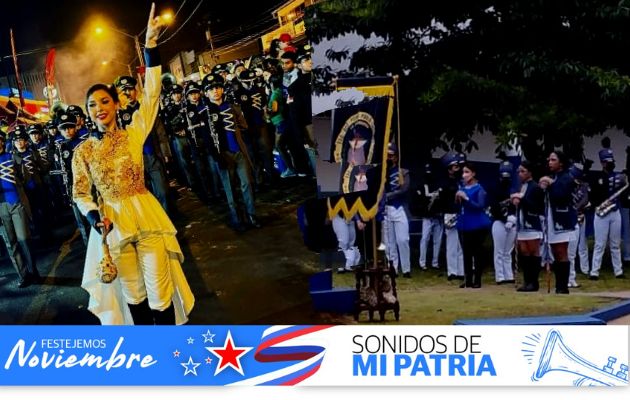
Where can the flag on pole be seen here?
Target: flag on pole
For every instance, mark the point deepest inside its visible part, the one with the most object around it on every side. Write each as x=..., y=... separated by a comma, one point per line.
x=17, y=71
x=50, y=77
x=359, y=143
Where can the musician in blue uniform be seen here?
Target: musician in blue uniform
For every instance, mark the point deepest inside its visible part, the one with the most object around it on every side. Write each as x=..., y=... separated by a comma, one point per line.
x=196, y=112
x=82, y=130
x=450, y=210
x=174, y=117
x=395, y=216
x=561, y=217
x=432, y=221
x=15, y=216
x=503, y=216
x=65, y=149
x=252, y=100
x=40, y=143
x=530, y=203
x=473, y=225
x=578, y=242
x=154, y=169
x=233, y=159
x=30, y=170
x=607, y=223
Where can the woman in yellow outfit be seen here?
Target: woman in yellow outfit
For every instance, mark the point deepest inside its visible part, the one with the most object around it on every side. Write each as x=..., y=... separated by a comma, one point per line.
x=151, y=287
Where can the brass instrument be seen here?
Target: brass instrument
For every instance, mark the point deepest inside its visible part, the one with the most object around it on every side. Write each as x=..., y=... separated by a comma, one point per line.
x=450, y=220
x=608, y=205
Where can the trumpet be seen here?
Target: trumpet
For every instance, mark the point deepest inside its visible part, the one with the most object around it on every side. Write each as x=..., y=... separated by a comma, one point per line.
x=609, y=204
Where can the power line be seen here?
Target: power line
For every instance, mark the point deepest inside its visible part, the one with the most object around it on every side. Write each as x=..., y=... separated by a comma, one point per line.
x=183, y=24
x=174, y=18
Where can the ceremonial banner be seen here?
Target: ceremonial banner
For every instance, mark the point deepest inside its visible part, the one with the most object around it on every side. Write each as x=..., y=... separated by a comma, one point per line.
x=360, y=134
x=317, y=355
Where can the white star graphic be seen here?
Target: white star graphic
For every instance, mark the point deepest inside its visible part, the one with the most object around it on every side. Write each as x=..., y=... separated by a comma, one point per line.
x=190, y=340
x=229, y=355
x=191, y=367
x=208, y=337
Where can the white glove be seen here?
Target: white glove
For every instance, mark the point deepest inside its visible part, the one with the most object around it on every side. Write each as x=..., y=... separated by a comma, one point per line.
x=511, y=222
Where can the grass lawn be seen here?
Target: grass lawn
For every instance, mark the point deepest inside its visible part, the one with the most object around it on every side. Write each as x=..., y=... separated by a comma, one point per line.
x=428, y=298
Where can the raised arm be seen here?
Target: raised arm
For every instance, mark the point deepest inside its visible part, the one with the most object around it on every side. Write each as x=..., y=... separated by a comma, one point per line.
x=143, y=120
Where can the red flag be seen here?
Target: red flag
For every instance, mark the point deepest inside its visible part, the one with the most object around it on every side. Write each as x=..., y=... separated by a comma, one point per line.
x=50, y=77
x=50, y=67
x=17, y=72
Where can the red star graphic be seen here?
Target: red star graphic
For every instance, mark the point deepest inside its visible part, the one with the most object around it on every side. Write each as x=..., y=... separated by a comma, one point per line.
x=208, y=360
x=229, y=355
x=176, y=353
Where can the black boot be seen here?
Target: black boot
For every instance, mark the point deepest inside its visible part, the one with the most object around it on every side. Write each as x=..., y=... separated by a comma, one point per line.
x=141, y=313
x=561, y=272
x=525, y=263
x=253, y=222
x=536, y=272
x=166, y=317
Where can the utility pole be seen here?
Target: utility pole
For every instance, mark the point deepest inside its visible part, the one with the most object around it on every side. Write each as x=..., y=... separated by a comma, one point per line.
x=209, y=39
x=138, y=50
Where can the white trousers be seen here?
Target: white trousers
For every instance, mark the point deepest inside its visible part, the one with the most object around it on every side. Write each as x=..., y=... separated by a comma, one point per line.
x=578, y=247
x=346, y=236
x=431, y=228
x=607, y=230
x=143, y=270
x=398, y=238
x=625, y=234
x=503, y=241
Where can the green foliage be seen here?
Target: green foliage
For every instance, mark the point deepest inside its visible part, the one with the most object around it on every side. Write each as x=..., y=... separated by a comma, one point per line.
x=552, y=71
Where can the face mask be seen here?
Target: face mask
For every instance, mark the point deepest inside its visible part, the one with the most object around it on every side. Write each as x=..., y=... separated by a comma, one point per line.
x=610, y=167
x=390, y=163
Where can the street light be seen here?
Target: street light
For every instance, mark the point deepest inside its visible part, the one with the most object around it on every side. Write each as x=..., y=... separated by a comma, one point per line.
x=99, y=30
x=167, y=16
x=107, y=62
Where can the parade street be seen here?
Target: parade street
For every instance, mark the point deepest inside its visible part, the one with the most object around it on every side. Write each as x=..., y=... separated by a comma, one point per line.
x=259, y=276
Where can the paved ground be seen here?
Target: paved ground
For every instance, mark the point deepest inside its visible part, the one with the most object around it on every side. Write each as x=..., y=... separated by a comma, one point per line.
x=260, y=276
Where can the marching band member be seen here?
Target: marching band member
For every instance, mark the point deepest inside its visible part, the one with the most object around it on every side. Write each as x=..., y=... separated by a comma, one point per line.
x=504, y=226
x=473, y=224
x=578, y=243
x=561, y=217
x=450, y=210
x=530, y=204
x=395, y=219
x=432, y=222
x=606, y=192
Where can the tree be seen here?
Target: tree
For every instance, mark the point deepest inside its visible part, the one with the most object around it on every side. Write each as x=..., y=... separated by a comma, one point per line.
x=550, y=71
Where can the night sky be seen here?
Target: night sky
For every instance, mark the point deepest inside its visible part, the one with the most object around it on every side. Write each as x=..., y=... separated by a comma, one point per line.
x=38, y=24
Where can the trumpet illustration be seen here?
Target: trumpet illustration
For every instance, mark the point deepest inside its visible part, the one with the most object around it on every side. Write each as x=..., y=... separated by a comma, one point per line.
x=556, y=356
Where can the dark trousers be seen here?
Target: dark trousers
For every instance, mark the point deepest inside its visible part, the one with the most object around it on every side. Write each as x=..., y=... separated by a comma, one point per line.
x=155, y=177
x=472, y=246
x=17, y=237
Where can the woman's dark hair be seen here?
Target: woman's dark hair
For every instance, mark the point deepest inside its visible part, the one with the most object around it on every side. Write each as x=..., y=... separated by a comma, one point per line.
x=528, y=166
x=471, y=167
x=276, y=81
x=110, y=89
x=274, y=48
x=563, y=158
